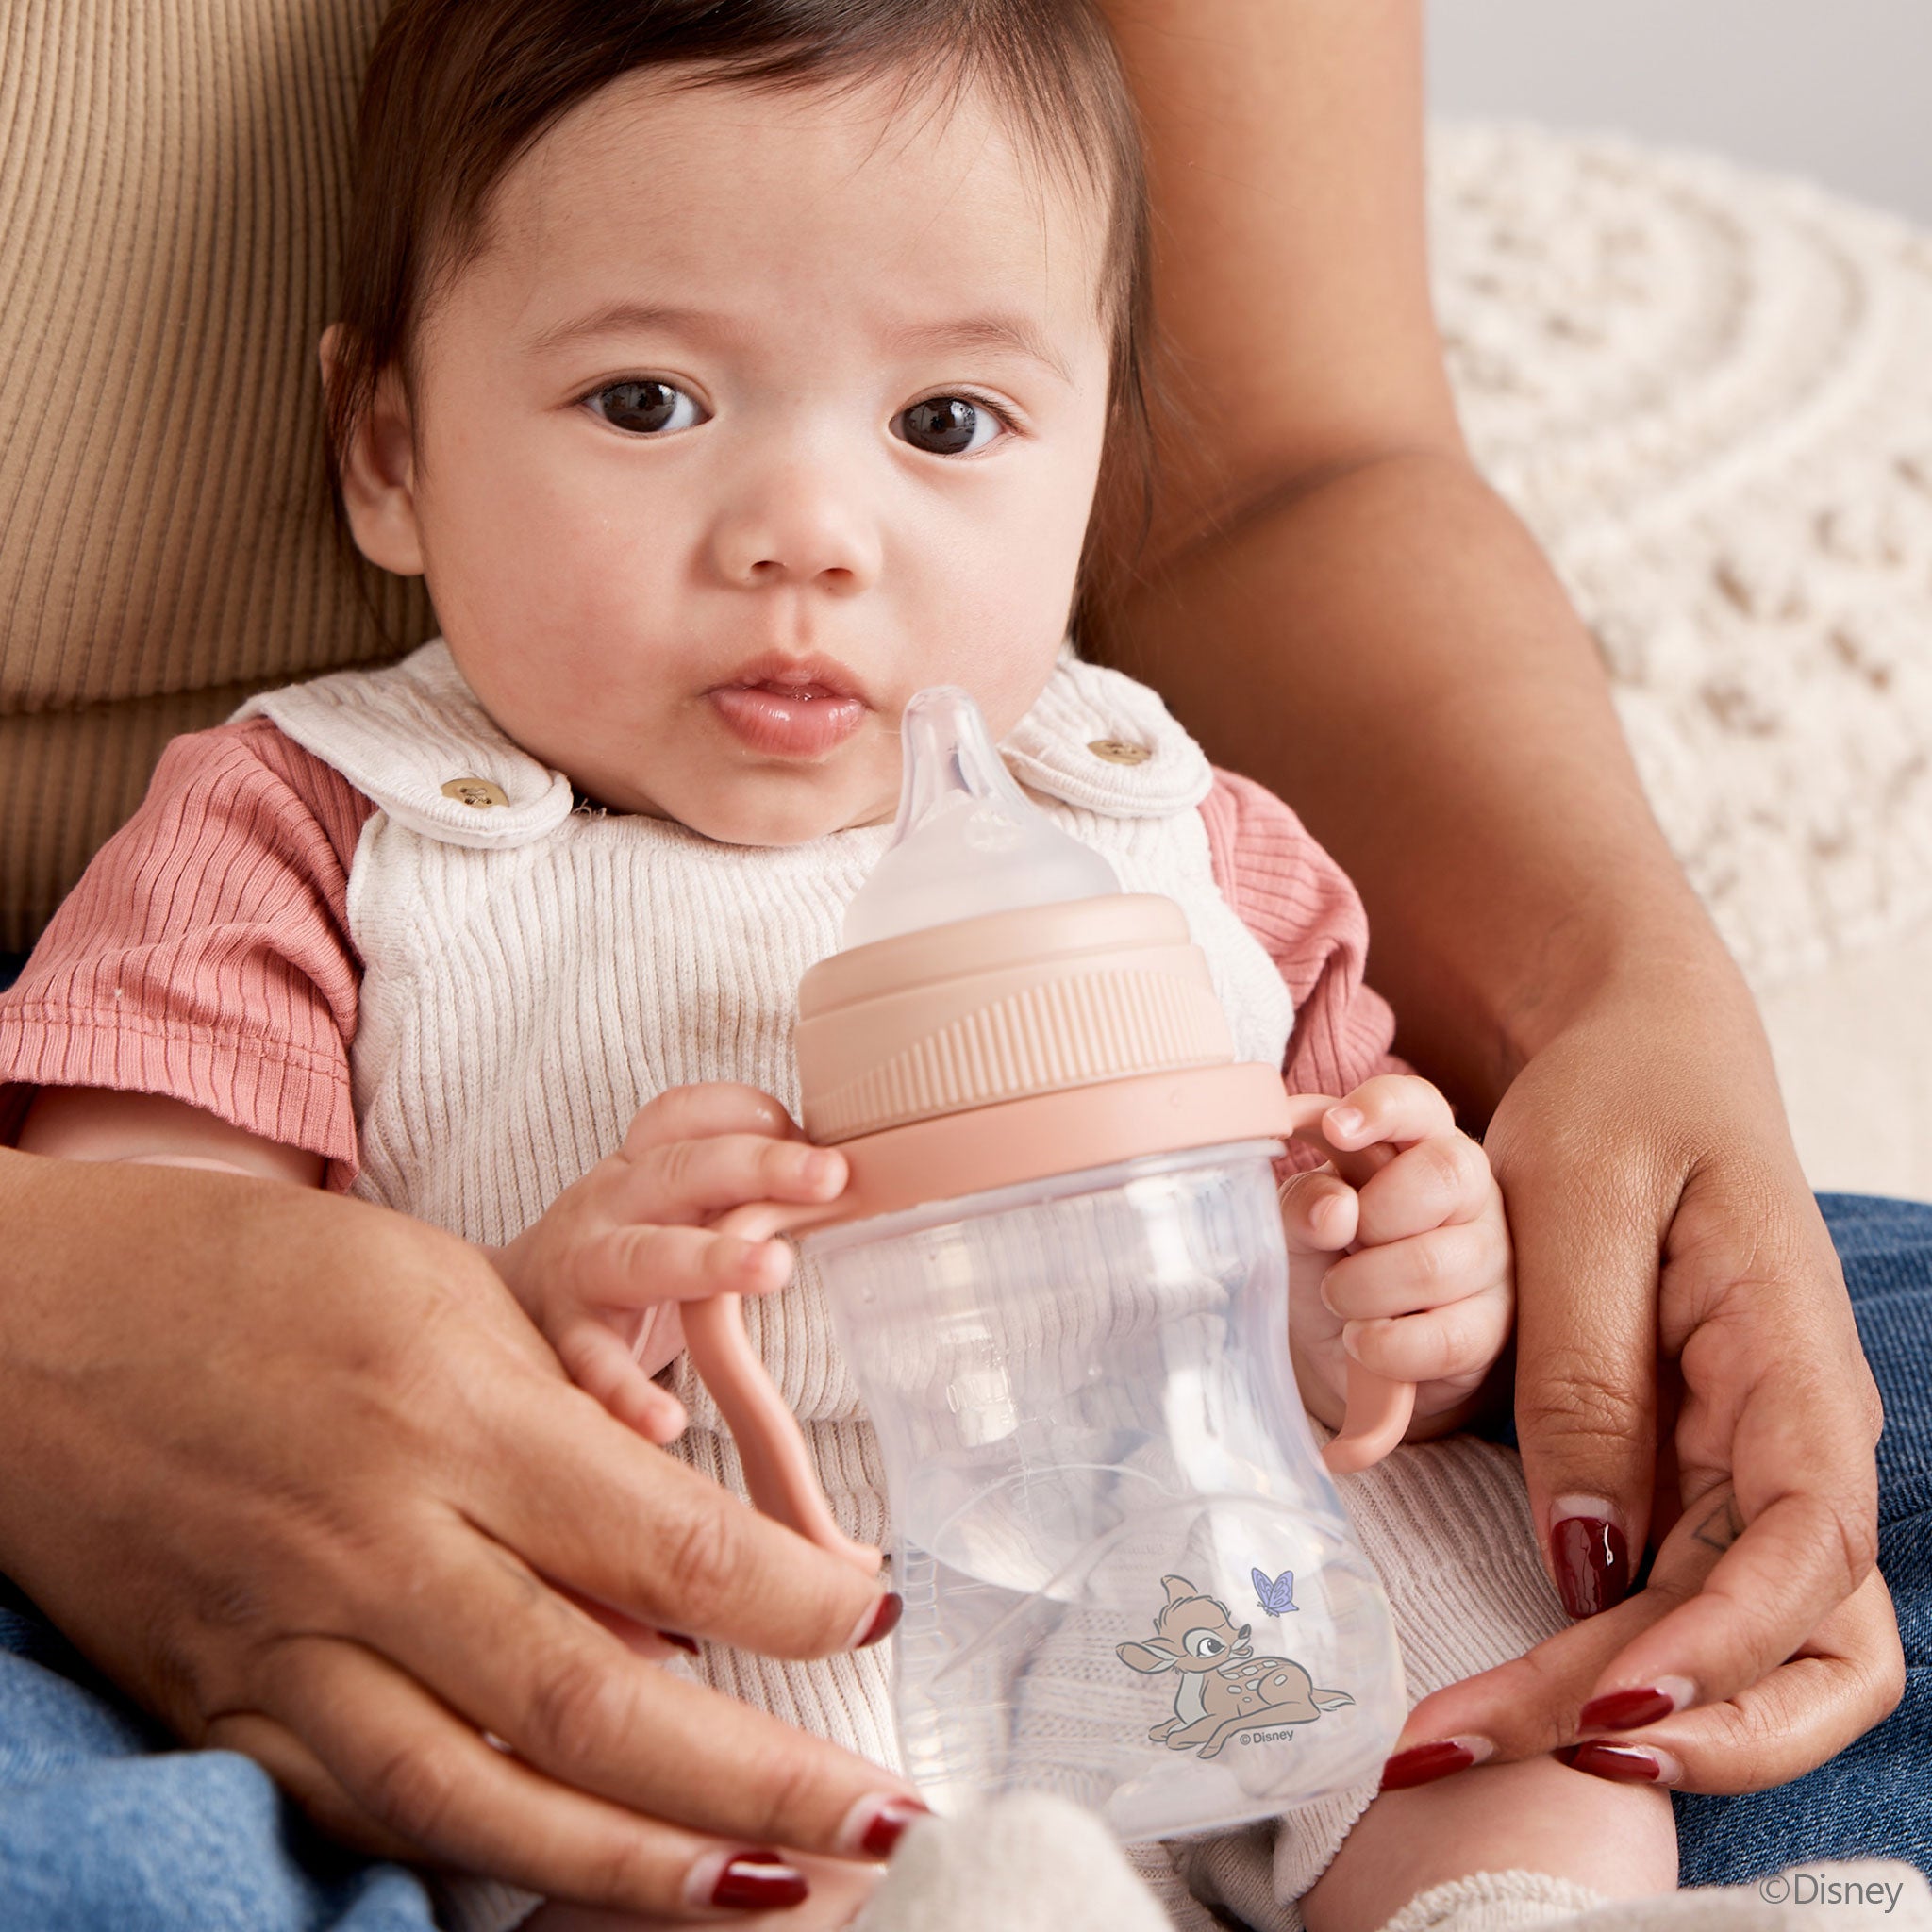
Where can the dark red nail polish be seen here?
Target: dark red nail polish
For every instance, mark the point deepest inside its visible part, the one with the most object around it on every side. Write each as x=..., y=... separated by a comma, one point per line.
x=885, y=1620
x=1592, y=1564
x=680, y=1640
x=1624, y=1710
x=759, y=1880
x=1617, y=1762
x=1421, y=1764
x=886, y=1830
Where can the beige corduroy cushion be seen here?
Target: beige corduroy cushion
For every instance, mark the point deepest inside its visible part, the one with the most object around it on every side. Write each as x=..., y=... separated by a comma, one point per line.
x=173, y=175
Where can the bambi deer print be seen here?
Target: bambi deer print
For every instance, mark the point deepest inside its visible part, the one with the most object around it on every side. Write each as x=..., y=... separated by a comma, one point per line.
x=1220, y=1686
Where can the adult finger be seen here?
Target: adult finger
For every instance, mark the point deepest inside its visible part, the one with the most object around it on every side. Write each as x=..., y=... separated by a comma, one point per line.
x=839, y=1889
x=1779, y=1576
x=297, y=1770
x=1443, y=1179
x=1587, y=1235
x=1574, y=1686
x=686, y=1555
x=1533, y=1704
x=1772, y=1446
x=401, y=1757
x=1846, y=1676
x=1522, y=1709
x=585, y=1709
x=1424, y=1270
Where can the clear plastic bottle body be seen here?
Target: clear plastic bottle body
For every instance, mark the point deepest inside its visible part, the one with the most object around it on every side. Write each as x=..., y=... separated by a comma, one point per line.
x=1127, y=1577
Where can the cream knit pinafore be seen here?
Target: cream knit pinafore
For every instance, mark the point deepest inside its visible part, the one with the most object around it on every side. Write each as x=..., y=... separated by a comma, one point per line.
x=535, y=972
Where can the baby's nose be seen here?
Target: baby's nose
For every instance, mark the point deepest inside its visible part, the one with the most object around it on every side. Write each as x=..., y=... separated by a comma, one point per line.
x=803, y=524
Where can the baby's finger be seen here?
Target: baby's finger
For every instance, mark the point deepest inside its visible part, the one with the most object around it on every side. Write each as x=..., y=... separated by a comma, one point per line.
x=1318, y=1213
x=690, y=1180
x=1391, y=1106
x=1462, y=1339
x=712, y=1107
x=595, y=1357
x=1443, y=1179
x=1424, y=1270
x=630, y=1267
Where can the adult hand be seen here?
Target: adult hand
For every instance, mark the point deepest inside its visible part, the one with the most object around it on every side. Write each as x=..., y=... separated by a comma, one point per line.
x=1658, y=1212
x=300, y=1475
x=1338, y=605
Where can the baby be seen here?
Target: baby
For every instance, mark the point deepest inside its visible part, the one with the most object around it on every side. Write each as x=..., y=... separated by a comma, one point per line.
x=732, y=373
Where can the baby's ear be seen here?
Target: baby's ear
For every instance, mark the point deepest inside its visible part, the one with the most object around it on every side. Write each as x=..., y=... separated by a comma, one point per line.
x=376, y=461
x=1141, y=1656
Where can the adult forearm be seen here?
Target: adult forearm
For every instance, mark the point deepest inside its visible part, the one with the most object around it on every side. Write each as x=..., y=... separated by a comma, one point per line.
x=1393, y=653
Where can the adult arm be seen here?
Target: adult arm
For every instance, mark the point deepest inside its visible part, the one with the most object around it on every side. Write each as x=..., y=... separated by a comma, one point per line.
x=299, y=1474
x=1337, y=605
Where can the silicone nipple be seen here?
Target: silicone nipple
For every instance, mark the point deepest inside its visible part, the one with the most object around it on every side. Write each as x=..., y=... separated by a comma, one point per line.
x=967, y=840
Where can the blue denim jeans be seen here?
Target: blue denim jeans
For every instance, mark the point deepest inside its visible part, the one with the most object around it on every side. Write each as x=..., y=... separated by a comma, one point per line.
x=1875, y=1798
x=102, y=1824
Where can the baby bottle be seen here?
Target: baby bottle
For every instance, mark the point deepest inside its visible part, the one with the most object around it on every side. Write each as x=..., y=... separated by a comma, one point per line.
x=1060, y=1277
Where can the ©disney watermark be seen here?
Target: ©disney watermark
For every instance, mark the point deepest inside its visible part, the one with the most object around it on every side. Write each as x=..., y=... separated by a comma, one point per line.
x=1818, y=1888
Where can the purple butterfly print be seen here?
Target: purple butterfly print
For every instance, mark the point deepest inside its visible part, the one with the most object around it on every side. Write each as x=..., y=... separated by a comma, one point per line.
x=1276, y=1598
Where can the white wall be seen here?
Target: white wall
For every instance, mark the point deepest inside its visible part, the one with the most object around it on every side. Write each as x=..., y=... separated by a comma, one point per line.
x=1837, y=89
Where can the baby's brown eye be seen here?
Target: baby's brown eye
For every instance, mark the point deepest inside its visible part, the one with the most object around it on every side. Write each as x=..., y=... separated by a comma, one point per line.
x=643, y=408
x=948, y=426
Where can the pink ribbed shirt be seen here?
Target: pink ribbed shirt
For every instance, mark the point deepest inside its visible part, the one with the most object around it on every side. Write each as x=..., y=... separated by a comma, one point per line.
x=205, y=954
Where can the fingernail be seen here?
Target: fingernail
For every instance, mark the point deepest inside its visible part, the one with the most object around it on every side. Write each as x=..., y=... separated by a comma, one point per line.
x=1625, y=1764
x=1347, y=1120
x=880, y=1621
x=875, y=1825
x=680, y=1640
x=820, y=1166
x=747, y=1882
x=1593, y=1559
x=1630, y=1710
x=1421, y=1764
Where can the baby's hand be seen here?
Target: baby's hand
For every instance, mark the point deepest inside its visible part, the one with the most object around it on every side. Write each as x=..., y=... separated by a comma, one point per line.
x=618, y=1250
x=1410, y=1273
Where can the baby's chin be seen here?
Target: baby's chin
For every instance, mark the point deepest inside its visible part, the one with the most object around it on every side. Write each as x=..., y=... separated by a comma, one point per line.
x=792, y=813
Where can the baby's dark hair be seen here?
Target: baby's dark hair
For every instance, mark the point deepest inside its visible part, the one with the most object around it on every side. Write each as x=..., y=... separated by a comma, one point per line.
x=458, y=90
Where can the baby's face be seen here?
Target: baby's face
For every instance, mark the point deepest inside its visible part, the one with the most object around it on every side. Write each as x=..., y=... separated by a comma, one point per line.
x=755, y=415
